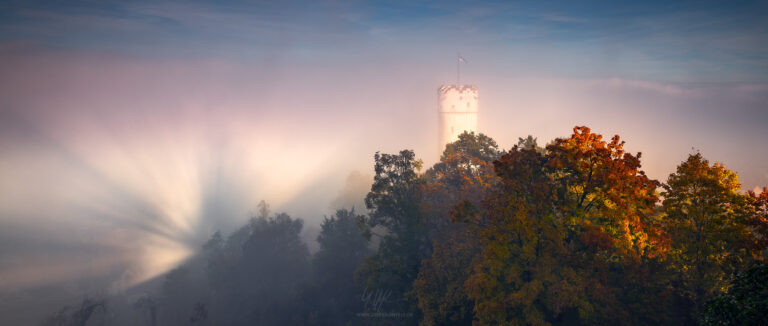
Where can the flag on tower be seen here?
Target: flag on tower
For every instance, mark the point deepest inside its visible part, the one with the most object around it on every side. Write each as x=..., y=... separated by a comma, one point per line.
x=458, y=67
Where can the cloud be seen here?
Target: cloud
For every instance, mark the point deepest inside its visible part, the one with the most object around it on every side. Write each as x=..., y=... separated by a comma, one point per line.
x=656, y=87
x=560, y=18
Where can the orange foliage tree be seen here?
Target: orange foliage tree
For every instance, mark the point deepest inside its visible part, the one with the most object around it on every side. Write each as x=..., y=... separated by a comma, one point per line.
x=560, y=229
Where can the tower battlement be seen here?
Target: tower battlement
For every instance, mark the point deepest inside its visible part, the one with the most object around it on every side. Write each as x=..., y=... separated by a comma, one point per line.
x=457, y=88
x=457, y=108
x=457, y=98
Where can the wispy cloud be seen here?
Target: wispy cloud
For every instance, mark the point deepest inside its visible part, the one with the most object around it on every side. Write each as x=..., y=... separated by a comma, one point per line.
x=560, y=18
x=657, y=87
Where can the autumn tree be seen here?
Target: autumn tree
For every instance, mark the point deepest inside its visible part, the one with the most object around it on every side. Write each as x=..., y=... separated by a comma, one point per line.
x=463, y=175
x=439, y=287
x=413, y=211
x=609, y=205
x=757, y=222
x=715, y=230
x=464, y=172
x=561, y=230
x=521, y=277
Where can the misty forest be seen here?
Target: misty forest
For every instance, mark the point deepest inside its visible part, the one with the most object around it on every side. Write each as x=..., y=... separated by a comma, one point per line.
x=571, y=233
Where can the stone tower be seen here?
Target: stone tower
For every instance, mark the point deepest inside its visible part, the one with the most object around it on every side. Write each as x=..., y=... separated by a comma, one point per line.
x=457, y=107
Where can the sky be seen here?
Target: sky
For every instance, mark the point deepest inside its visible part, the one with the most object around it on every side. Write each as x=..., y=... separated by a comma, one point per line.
x=130, y=132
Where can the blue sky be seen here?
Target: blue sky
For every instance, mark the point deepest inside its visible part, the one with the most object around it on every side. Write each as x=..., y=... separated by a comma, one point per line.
x=685, y=42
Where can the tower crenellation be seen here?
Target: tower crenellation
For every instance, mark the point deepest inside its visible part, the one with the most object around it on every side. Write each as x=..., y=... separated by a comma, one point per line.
x=457, y=108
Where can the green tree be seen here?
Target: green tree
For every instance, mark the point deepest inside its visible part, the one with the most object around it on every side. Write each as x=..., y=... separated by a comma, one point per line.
x=709, y=222
x=471, y=145
x=395, y=216
x=530, y=142
x=393, y=199
x=255, y=275
x=275, y=263
x=745, y=303
x=88, y=310
x=146, y=306
x=342, y=249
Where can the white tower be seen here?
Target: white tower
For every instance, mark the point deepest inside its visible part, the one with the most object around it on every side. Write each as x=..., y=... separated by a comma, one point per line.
x=457, y=107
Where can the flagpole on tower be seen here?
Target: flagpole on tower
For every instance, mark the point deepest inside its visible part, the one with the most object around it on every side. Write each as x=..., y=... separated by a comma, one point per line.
x=458, y=69
x=459, y=60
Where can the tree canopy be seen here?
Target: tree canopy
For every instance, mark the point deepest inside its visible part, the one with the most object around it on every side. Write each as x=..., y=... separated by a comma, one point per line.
x=573, y=233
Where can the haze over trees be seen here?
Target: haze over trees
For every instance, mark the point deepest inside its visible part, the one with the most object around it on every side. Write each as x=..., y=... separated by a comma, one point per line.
x=572, y=233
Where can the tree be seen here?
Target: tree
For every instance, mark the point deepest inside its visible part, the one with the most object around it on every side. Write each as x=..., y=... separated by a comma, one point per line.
x=601, y=190
x=521, y=277
x=414, y=212
x=609, y=205
x=393, y=197
x=471, y=145
x=530, y=142
x=275, y=262
x=342, y=248
x=439, y=287
x=80, y=315
x=182, y=289
x=745, y=303
x=147, y=309
x=463, y=175
x=563, y=232
x=712, y=227
x=394, y=204
x=255, y=274
x=757, y=222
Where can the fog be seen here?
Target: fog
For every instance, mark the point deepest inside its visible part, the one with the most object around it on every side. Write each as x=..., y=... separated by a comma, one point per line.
x=118, y=162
